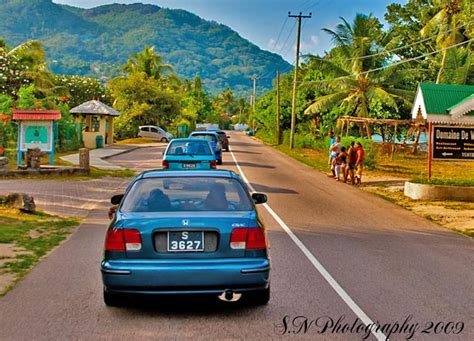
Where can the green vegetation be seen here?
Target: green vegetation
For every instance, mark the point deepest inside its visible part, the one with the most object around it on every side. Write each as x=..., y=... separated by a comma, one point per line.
x=29, y=237
x=96, y=42
x=373, y=72
x=148, y=92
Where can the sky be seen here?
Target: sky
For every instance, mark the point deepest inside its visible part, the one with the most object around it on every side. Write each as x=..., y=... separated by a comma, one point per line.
x=261, y=21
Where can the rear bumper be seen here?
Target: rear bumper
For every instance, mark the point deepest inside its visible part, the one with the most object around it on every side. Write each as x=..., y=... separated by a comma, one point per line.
x=185, y=276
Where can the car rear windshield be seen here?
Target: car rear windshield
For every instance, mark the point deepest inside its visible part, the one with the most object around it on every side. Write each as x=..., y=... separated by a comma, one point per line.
x=209, y=137
x=198, y=147
x=188, y=193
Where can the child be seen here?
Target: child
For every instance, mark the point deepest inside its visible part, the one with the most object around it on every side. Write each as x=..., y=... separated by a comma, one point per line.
x=341, y=163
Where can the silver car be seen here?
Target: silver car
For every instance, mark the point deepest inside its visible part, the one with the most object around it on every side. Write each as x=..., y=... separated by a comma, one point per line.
x=154, y=133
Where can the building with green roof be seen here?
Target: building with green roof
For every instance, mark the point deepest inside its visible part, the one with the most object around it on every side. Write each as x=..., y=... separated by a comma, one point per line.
x=444, y=103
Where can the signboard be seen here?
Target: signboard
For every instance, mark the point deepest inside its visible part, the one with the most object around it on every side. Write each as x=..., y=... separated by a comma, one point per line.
x=453, y=143
x=36, y=134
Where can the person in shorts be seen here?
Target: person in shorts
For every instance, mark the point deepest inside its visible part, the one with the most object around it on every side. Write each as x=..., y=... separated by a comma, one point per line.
x=352, y=159
x=360, y=162
x=334, y=152
x=341, y=164
x=332, y=140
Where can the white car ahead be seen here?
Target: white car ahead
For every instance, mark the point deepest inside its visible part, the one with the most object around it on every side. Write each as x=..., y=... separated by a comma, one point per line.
x=154, y=133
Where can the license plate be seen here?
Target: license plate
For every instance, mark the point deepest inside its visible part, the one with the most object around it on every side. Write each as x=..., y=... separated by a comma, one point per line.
x=186, y=241
x=189, y=165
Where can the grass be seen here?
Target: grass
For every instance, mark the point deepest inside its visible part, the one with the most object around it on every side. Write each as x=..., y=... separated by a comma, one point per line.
x=454, y=215
x=95, y=173
x=136, y=140
x=32, y=237
x=404, y=165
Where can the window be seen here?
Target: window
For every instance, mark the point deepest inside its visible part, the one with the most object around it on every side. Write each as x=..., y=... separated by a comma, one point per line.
x=153, y=130
x=189, y=148
x=208, y=137
x=186, y=194
x=145, y=129
x=95, y=124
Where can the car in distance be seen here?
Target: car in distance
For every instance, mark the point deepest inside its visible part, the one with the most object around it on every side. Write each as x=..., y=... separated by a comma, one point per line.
x=154, y=133
x=186, y=232
x=224, y=138
x=213, y=139
x=190, y=153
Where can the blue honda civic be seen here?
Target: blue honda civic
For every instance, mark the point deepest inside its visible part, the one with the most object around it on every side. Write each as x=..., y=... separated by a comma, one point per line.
x=187, y=232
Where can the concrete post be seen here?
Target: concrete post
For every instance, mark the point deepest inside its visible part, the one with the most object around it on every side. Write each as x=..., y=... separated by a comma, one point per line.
x=84, y=159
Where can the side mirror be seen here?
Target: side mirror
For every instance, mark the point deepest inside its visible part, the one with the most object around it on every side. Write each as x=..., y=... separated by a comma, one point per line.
x=259, y=198
x=117, y=199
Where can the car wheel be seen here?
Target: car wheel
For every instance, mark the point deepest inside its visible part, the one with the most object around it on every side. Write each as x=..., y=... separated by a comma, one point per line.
x=164, y=139
x=111, y=300
x=259, y=297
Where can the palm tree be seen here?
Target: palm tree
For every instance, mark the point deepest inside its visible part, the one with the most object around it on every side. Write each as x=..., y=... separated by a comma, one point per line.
x=353, y=86
x=149, y=62
x=31, y=56
x=451, y=24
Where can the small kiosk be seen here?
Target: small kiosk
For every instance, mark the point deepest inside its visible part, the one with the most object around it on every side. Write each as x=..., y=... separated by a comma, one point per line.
x=35, y=130
x=98, y=120
x=449, y=112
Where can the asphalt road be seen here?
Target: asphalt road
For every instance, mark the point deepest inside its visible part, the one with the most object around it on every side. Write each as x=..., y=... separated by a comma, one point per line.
x=344, y=253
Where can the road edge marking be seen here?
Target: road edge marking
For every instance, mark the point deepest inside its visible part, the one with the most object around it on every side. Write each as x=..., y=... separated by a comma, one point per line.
x=321, y=269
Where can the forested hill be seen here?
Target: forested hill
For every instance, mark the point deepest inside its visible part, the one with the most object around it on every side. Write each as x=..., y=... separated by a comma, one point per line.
x=95, y=42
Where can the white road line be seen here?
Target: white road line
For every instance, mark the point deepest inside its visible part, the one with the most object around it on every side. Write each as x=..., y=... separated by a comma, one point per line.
x=326, y=275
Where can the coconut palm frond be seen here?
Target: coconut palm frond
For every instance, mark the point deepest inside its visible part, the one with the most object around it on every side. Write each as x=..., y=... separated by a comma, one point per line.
x=326, y=103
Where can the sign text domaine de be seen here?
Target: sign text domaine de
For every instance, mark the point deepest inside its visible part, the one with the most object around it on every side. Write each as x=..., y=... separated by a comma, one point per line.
x=453, y=143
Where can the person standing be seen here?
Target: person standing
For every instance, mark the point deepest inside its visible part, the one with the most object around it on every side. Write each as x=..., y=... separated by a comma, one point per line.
x=335, y=150
x=352, y=159
x=332, y=140
x=360, y=162
x=341, y=164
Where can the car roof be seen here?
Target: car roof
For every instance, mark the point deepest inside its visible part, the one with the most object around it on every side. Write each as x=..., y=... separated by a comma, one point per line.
x=204, y=132
x=189, y=139
x=164, y=173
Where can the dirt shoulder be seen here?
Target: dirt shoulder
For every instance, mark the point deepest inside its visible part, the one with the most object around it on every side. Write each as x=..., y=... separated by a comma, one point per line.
x=388, y=179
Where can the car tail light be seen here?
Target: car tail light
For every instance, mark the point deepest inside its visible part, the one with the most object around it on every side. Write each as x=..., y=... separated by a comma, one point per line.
x=213, y=164
x=248, y=238
x=123, y=240
x=165, y=164
x=114, y=241
x=133, y=240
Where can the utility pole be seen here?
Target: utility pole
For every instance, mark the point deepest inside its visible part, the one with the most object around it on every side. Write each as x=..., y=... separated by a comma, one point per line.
x=278, y=108
x=254, y=97
x=295, y=80
x=254, y=78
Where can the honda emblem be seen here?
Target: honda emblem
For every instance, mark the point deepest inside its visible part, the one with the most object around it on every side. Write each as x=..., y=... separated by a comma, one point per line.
x=185, y=222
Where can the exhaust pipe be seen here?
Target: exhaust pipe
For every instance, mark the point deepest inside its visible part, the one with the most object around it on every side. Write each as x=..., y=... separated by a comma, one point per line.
x=230, y=296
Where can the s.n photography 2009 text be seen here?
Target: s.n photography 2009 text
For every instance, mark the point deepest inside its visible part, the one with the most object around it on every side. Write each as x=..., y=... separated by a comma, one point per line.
x=407, y=327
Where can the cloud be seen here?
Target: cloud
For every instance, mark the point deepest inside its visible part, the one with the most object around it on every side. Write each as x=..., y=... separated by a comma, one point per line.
x=308, y=46
x=273, y=46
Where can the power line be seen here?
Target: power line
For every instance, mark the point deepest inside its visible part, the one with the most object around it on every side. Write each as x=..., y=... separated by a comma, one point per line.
x=279, y=34
x=403, y=61
x=287, y=38
x=312, y=6
x=397, y=48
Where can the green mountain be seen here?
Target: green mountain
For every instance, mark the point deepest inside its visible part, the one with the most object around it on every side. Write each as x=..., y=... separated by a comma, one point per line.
x=95, y=42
